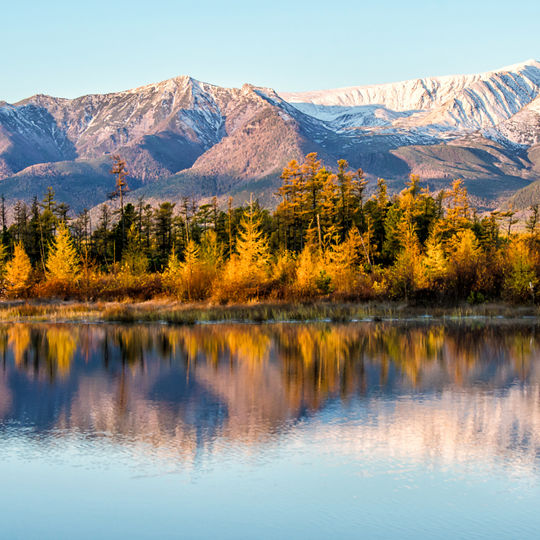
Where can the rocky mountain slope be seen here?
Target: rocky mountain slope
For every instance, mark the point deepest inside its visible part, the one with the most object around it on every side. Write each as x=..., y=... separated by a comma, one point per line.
x=182, y=137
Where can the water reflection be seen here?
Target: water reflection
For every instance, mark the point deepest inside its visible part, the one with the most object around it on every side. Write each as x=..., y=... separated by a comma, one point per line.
x=413, y=391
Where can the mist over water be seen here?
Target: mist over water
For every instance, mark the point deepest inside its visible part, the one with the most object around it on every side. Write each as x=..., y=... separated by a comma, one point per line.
x=279, y=430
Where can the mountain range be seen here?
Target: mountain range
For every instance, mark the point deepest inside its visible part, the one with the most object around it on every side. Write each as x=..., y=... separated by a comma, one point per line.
x=183, y=137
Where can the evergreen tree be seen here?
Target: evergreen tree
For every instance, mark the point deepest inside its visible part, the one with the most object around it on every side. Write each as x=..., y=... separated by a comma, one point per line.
x=120, y=171
x=163, y=230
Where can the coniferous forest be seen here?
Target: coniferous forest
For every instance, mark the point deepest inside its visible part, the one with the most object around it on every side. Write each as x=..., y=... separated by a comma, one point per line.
x=326, y=239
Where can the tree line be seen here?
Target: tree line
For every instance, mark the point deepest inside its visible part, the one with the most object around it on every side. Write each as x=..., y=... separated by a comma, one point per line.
x=327, y=238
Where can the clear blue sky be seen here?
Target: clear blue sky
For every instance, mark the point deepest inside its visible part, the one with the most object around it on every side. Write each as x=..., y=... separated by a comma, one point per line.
x=69, y=48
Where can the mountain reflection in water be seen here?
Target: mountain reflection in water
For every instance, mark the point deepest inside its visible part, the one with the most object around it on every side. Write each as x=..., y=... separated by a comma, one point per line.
x=418, y=392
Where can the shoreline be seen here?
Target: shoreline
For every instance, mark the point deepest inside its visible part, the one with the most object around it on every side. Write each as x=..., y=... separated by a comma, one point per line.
x=174, y=312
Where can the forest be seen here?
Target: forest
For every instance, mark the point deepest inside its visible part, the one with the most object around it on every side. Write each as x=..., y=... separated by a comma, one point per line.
x=327, y=239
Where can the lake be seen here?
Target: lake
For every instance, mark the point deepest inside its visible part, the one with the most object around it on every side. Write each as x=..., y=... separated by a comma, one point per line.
x=358, y=430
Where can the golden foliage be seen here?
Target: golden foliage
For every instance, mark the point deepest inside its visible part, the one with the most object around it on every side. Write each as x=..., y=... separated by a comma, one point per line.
x=247, y=271
x=310, y=270
x=18, y=272
x=435, y=263
x=520, y=280
x=19, y=340
x=62, y=344
x=62, y=261
x=463, y=260
x=407, y=274
x=343, y=262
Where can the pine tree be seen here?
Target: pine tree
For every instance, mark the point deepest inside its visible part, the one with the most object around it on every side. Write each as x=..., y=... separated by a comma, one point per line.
x=18, y=272
x=3, y=256
x=62, y=262
x=163, y=220
x=376, y=209
x=288, y=211
x=120, y=171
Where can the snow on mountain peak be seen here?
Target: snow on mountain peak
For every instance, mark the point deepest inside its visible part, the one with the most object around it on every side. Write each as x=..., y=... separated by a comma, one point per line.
x=438, y=104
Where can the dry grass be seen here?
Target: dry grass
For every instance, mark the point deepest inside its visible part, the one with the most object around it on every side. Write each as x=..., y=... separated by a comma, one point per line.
x=181, y=313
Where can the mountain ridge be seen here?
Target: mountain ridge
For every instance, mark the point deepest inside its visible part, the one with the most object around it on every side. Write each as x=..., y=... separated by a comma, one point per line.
x=195, y=137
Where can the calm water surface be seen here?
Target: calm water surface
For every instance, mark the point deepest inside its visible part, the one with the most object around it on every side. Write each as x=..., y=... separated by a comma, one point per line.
x=366, y=430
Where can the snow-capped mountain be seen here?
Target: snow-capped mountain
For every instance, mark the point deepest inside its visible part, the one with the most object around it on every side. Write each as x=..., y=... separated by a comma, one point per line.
x=441, y=105
x=185, y=137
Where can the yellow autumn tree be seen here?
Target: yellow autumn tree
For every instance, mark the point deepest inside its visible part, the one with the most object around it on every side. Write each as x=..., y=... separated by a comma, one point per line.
x=190, y=273
x=283, y=273
x=520, y=280
x=171, y=274
x=406, y=276
x=435, y=264
x=18, y=272
x=246, y=272
x=186, y=279
x=343, y=262
x=311, y=276
x=211, y=252
x=463, y=261
x=62, y=261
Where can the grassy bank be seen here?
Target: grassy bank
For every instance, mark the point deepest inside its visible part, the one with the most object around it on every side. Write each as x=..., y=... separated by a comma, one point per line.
x=182, y=313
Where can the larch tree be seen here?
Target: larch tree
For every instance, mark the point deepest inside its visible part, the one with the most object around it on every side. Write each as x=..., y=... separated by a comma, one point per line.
x=310, y=268
x=211, y=249
x=463, y=261
x=190, y=271
x=252, y=248
x=435, y=264
x=18, y=272
x=343, y=261
x=247, y=269
x=521, y=281
x=406, y=275
x=62, y=262
x=171, y=274
x=134, y=259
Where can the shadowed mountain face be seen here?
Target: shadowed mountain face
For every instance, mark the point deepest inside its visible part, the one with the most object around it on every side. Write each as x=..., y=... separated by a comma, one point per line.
x=182, y=137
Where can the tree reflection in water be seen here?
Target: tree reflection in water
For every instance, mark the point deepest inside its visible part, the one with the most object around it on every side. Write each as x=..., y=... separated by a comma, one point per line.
x=454, y=388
